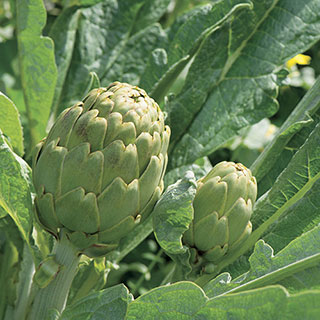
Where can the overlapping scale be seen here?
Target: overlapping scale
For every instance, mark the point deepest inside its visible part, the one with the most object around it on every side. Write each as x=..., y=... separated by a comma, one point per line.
x=47, y=172
x=63, y=126
x=82, y=169
x=223, y=205
x=119, y=161
x=117, y=202
x=78, y=211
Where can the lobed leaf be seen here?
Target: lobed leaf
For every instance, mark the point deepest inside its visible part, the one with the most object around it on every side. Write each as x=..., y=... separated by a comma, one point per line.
x=231, y=82
x=292, y=266
x=131, y=63
x=111, y=23
x=110, y=303
x=272, y=302
x=185, y=300
x=15, y=184
x=165, y=64
x=299, y=118
x=292, y=185
x=64, y=44
x=37, y=65
x=10, y=123
x=177, y=301
x=150, y=12
x=173, y=214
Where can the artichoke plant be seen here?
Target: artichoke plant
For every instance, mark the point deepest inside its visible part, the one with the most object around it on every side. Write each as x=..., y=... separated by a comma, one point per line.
x=100, y=170
x=222, y=209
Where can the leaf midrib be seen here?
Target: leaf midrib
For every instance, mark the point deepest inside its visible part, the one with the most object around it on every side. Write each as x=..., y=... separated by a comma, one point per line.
x=231, y=59
x=277, y=275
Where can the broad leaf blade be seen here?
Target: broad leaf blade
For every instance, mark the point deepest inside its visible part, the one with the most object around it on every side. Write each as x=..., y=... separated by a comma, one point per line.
x=299, y=218
x=102, y=34
x=110, y=304
x=177, y=301
x=297, y=120
x=64, y=43
x=185, y=300
x=131, y=63
x=271, y=302
x=291, y=266
x=174, y=213
x=293, y=183
x=10, y=123
x=242, y=89
x=185, y=40
x=15, y=195
x=37, y=66
x=151, y=12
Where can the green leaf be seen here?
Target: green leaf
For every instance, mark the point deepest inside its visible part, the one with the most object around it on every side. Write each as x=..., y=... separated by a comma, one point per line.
x=131, y=63
x=299, y=218
x=200, y=168
x=90, y=277
x=37, y=66
x=304, y=128
x=293, y=183
x=304, y=306
x=15, y=195
x=265, y=303
x=230, y=84
x=297, y=120
x=107, y=304
x=111, y=23
x=166, y=64
x=177, y=301
x=291, y=267
x=64, y=44
x=173, y=214
x=185, y=300
x=9, y=266
x=150, y=12
x=70, y=3
x=10, y=123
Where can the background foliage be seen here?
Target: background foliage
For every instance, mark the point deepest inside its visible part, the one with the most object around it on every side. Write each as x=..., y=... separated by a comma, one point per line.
x=225, y=74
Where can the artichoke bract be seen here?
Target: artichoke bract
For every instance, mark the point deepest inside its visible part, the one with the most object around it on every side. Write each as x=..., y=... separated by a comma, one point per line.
x=222, y=209
x=100, y=170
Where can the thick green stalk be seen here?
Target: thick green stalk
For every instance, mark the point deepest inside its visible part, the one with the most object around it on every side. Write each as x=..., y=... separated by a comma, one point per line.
x=24, y=285
x=54, y=296
x=6, y=259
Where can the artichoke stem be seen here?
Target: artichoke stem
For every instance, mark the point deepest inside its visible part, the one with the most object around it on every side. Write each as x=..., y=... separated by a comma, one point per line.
x=54, y=296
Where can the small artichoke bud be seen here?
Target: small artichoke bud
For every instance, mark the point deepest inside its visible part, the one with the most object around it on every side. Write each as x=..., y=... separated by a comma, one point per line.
x=222, y=209
x=100, y=170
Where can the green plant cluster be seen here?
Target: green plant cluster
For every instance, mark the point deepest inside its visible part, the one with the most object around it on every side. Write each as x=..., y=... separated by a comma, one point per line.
x=159, y=159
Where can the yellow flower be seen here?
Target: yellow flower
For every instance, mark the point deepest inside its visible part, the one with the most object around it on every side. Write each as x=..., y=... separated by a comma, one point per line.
x=298, y=59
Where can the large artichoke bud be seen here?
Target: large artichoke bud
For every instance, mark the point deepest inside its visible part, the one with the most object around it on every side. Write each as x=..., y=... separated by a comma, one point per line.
x=100, y=169
x=222, y=210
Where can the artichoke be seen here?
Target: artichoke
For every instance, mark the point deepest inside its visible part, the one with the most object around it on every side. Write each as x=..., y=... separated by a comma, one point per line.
x=100, y=170
x=222, y=209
